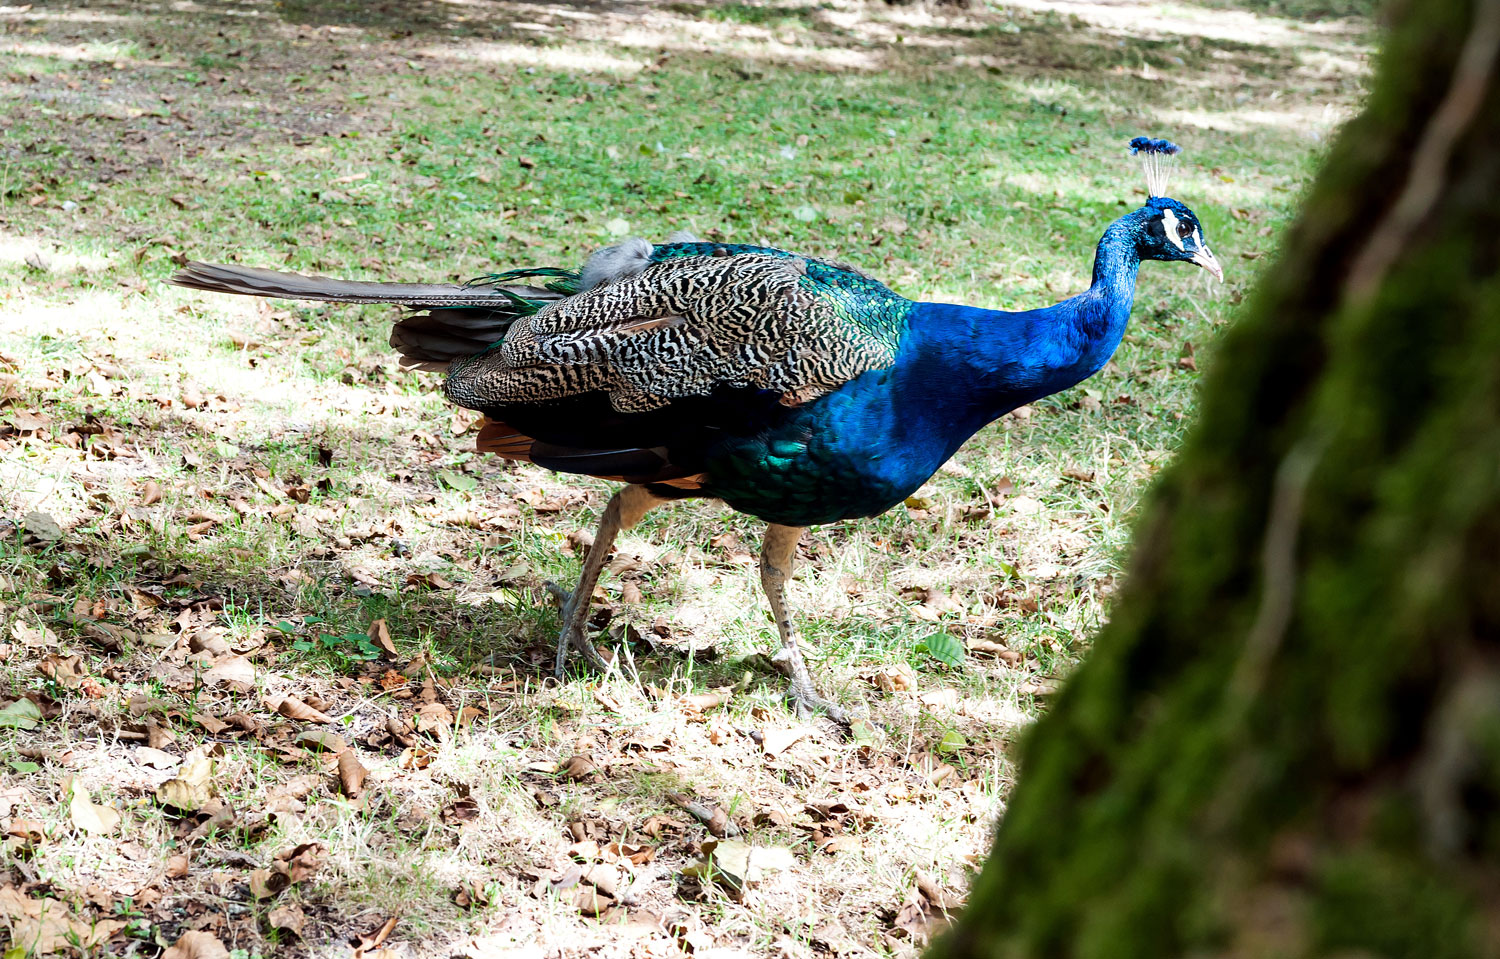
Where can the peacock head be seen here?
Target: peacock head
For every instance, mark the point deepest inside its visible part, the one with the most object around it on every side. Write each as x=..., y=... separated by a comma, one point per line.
x=1168, y=230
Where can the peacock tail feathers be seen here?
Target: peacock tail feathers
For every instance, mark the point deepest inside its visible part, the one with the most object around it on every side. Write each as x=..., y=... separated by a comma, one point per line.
x=644, y=324
x=564, y=282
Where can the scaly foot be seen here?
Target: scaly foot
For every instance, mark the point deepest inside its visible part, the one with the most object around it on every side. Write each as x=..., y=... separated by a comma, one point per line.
x=806, y=702
x=573, y=635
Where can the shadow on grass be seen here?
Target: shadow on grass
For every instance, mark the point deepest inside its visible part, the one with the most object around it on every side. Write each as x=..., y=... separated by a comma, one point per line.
x=142, y=86
x=1312, y=10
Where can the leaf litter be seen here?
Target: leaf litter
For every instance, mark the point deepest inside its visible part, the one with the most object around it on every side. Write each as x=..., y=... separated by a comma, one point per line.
x=202, y=760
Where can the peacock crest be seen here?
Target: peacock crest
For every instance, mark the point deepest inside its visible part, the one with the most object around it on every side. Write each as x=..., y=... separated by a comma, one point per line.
x=1157, y=158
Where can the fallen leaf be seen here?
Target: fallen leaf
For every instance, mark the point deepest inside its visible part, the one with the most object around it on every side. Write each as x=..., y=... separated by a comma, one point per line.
x=897, y=677
x=235, y=670
x=28, y=421
x=702, y=702
x=267, y=883
x=287, y=918
x=925, y=913
x=636, y=854
x=579, y=767
x=322, y=739
x=43, y=926
x=293, y=708
x=92, y=819
x=471, y=894
x=946, y=698
x=435, y=719
x=774, y=742
x=292, y=866
x=585, y=851
x=380, y=637
x=21, y=714
x=215, y=814
x=196, y=945
x=988, y=647
x=66, y=671
x=941, y=774
x=943, y=647
x=923, y=498
x=13, y=798
x=155, y=758
x=189, y=790
x=606, y=878
x=736, y=862
x=26, y=830
x=210, y=641
x=369, y=942
x=463, y=810
x=36, y=637
x=351, y=774
x=591, y=901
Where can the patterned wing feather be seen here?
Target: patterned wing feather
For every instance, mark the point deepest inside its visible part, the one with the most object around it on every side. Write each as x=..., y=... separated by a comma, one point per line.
x=689, y=322
x=864, y=307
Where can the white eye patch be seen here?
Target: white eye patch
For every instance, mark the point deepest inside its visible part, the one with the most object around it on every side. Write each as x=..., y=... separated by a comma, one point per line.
x=1169, y=220
x=1197, y=238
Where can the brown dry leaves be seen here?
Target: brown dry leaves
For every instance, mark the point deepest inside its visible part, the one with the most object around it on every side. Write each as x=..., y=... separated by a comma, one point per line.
x=197, y=945
x=45, y=926
x=85, y=815
x=190, y=789
x=289, y=867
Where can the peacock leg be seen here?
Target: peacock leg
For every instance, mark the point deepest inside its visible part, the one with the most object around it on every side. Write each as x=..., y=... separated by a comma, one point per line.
x=623, y=511
x=777, y=554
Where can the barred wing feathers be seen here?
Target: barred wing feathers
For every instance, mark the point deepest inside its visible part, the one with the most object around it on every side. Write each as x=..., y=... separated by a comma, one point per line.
x=692, y=320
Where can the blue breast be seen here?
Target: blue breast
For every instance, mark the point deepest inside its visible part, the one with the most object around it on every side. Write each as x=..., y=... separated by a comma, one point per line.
x=865, y=447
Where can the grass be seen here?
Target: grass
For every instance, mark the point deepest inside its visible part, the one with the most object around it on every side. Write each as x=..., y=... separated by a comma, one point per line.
x=245, y=479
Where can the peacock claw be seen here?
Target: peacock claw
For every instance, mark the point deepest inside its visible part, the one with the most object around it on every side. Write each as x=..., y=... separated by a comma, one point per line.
x=806, y=706
x=564, y=597
x=575, y=639
x=806, y=702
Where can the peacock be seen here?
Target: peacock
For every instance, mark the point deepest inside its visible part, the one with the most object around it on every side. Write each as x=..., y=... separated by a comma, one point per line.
x=796, y=389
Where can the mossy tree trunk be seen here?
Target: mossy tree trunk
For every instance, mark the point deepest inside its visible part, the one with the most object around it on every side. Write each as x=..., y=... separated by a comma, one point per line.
x=1287, y=741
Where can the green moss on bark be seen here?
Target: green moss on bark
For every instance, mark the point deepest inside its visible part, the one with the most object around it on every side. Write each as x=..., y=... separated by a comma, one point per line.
x=1287, y=741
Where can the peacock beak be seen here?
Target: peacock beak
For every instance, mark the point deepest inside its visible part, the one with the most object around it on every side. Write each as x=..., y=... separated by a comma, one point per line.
x=1205, y=258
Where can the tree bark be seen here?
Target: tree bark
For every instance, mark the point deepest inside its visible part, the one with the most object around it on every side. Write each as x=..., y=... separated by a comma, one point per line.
x=1287, y=740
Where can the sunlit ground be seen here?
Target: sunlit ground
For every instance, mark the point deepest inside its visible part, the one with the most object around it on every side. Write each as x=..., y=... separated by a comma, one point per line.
x=241, y=488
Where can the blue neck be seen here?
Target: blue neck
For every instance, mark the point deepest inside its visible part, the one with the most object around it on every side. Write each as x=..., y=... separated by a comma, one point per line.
x=973, y=365
x=1116, y=264
x=958, y=368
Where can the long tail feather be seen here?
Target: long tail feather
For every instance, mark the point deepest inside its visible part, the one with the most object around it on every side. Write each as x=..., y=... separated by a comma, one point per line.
x=228, y=278
x=452, y=321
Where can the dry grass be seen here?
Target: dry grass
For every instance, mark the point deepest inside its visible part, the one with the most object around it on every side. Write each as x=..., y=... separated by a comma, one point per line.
x=233, y=481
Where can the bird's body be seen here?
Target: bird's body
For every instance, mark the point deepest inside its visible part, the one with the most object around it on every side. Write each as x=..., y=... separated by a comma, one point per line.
x=867, y=444
x=794, y=389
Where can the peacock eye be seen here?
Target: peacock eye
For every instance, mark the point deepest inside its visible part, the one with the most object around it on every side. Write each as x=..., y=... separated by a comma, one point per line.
x=1184, y=229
